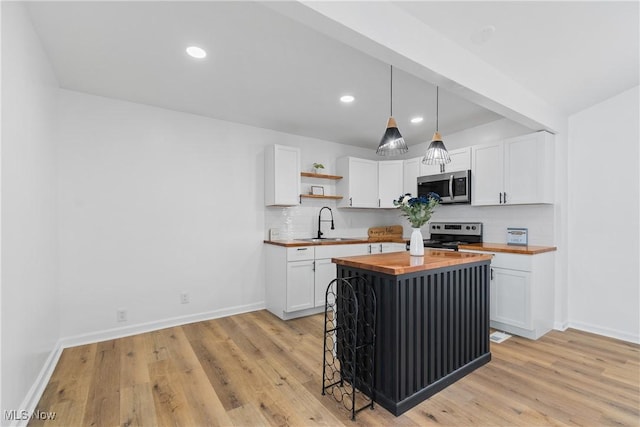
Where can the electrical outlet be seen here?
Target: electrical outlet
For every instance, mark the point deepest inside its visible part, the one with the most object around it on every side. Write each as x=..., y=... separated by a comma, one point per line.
x=121, y=315
x=184, y=298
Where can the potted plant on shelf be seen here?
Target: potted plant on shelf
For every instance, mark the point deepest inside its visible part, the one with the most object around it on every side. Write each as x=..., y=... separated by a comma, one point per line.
x=318, y=167
x=418, y=211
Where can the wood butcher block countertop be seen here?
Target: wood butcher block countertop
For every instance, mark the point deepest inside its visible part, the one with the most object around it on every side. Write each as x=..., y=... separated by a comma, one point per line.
x=511, y=249
x=397, y=263
x=349, y=241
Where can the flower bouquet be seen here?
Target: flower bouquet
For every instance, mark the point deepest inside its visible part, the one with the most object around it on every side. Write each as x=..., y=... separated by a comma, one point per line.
x=418, y=211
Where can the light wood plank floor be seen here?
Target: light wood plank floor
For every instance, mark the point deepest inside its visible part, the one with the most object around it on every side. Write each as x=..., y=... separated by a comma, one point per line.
x=254, y=369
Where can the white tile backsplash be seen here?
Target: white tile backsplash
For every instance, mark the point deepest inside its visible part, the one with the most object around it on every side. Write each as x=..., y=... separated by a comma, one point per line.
x=298, y=222
x=496, y=219
x=302, y=221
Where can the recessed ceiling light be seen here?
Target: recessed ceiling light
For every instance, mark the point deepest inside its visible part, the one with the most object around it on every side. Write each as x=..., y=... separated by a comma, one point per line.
x=417, y=120
x=196, y=52
x=347, y=99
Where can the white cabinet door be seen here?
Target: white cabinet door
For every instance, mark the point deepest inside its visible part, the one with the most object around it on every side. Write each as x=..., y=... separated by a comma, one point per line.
x=487, y=174
x=363, y=175
x=390, y=182
x=528, y=174
x=300, y=285
x=510, y=297
x=325, y=273
x=429, y=169
x=411, y=172
x=359, y=184
x=514, y=171
x=460, y=161
x=282, y=176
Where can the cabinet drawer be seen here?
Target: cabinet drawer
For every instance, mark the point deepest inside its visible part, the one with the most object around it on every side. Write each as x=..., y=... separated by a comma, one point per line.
x=300, y=253
x=333, y=251
x=512, y=261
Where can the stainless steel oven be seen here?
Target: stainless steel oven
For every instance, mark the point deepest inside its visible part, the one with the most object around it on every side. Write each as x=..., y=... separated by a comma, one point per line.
x=449, y=235
x=453, y=187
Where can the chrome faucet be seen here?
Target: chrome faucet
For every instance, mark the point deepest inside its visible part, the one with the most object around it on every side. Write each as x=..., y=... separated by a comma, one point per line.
x=320, y=221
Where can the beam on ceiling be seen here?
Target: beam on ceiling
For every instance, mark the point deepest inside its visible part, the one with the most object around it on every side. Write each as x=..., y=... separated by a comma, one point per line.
x=393, y=36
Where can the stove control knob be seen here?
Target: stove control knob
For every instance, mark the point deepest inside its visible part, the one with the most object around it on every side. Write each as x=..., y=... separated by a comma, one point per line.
x=468, y=228
x=473, y=228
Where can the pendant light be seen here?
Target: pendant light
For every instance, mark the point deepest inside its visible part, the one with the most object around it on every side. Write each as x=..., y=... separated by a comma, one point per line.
x=437, y=153
x=392, y=142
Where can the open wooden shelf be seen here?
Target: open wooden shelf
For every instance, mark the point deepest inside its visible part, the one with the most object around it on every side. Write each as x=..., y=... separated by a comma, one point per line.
x=319, y=175
x=318, y=196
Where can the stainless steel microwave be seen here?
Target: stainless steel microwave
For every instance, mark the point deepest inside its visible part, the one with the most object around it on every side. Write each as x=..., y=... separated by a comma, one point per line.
x=453, y=187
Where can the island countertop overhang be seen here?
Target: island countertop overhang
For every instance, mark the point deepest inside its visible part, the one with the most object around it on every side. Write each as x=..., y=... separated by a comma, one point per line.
x=397, y=263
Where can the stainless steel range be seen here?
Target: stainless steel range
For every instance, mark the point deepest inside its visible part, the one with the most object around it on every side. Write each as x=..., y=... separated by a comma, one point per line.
x=448, y=235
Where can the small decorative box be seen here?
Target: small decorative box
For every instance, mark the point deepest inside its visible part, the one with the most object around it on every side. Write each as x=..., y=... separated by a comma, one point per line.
x=517, y=236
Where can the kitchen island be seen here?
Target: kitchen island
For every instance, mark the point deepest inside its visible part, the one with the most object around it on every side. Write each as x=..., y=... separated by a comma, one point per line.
x=432, y=321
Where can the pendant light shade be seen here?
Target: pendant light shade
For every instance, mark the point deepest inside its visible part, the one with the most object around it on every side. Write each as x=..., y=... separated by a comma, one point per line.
x=437, y=153
x=392, y=142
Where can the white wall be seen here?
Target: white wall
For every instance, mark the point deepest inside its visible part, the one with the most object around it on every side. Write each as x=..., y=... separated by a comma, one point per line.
x=154, y=202
x=604, y=281
x=30, y=306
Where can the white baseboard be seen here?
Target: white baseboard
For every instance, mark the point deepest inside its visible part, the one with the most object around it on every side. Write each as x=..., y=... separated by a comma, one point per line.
x=37, y=389
x=560, y=326
x=611, y=333
x=34, y=394
x=126, y=331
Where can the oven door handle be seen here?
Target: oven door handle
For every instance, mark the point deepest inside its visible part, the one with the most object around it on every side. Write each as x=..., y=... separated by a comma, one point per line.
x=451, y=188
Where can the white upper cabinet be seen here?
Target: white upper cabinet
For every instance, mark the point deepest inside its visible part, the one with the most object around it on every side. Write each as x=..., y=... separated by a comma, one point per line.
x=359, y=184
x=390, y=182
x=369, y=184
x=514, y=171
x=487, y=174
x=460, y=161
x=528, y=169
x=411, y=172
x=281, y=175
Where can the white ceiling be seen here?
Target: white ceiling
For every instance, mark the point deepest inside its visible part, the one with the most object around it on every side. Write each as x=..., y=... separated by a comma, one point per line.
x=267, y=70
x=573, y=54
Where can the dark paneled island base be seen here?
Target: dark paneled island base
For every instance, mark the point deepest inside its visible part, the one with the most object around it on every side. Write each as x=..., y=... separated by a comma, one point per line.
x=432, y=322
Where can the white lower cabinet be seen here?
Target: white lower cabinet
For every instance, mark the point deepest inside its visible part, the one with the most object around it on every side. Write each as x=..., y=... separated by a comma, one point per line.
x=510, y=296
x=384, y=247
x=324, y=274
x=300, y=279
x=522, y=293
x=393, y=247
x=297, y=278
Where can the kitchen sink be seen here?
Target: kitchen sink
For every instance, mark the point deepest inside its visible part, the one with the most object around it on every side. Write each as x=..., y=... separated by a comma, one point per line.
x=326, y=239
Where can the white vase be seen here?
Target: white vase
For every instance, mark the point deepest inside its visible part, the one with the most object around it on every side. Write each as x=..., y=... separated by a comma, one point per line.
x=416, y=246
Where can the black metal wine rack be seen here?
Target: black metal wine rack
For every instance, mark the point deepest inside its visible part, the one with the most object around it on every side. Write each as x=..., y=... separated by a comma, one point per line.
x=349, y=342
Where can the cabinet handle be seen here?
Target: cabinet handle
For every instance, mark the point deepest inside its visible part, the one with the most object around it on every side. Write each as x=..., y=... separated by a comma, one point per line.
x=492, y=274
x=378, y=202
x=350, y=201
x=314, y=266
x=369, y=248
x=302, y=249
x=505, y=197
x=441, y=168
x=501, y=197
